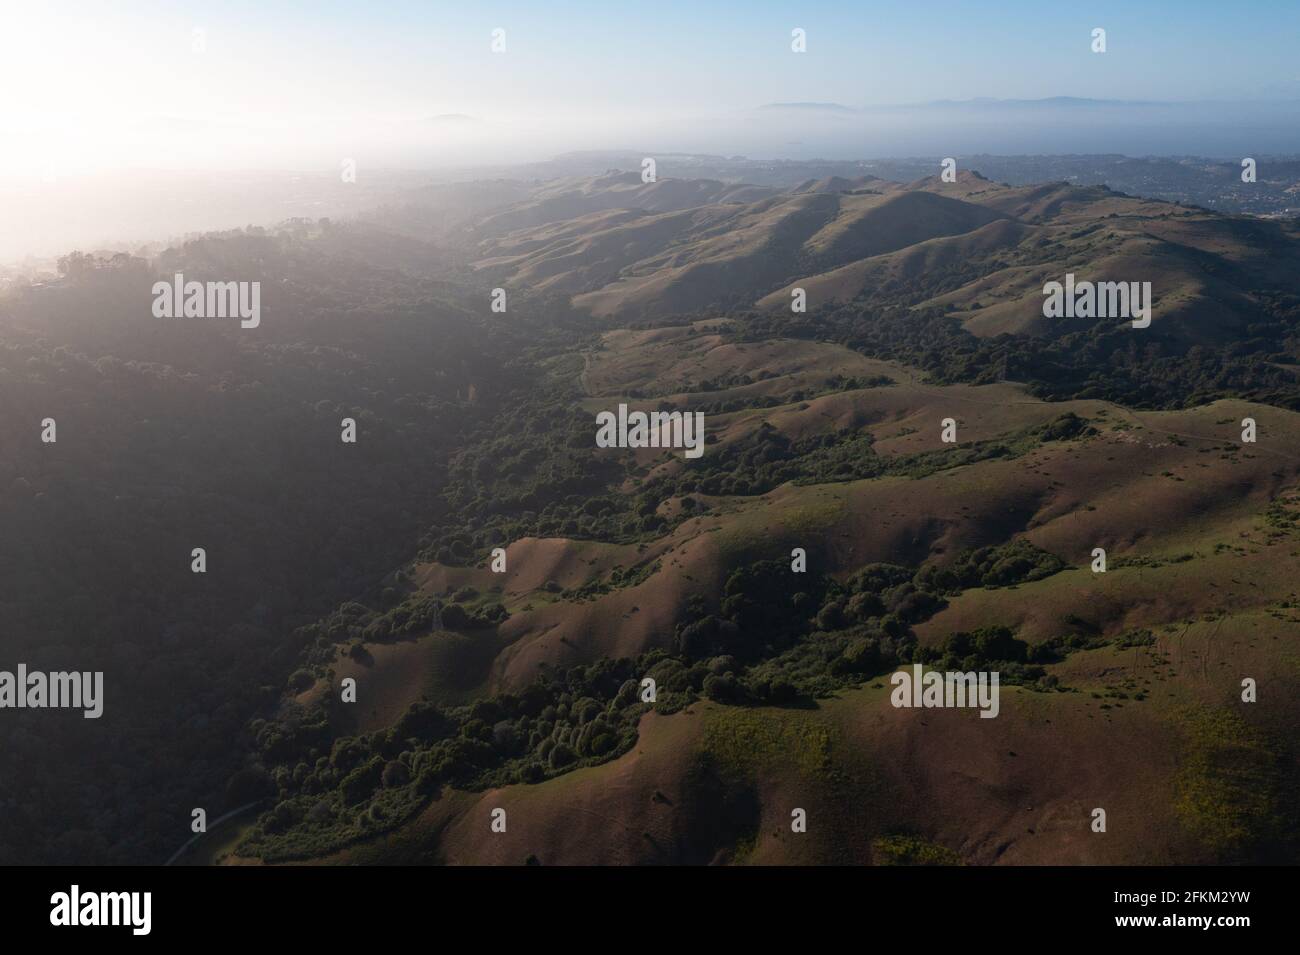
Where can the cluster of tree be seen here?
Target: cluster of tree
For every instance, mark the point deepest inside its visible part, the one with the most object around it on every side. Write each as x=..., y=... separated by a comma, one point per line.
x=767, y=458
x=331, y=790
x=773, y=638
x=996, y=566
x=862, y=626
x=536, y=473
x=1156, y=369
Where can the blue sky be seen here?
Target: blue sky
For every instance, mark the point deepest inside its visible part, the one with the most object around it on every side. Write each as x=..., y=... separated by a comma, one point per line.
x=733, y=55
x=304, y=82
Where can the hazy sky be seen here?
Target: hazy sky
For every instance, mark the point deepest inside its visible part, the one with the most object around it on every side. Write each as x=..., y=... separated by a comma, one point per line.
x=93, y=85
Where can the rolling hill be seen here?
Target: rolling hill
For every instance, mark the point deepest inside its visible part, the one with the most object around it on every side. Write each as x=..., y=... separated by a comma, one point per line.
x=499, y=664
x=1142, y=718
x=978, y=251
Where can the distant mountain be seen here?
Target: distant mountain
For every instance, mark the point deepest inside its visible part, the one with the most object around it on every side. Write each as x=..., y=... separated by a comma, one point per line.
x=990, y=101
x=982, y=102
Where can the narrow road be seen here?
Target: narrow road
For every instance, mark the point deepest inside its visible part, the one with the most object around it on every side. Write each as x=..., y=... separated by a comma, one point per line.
x=211, y=826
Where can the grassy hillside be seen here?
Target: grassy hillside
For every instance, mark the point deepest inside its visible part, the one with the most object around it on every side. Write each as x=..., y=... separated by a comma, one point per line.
x=773, y=698
x=829, y=534
x=975, y=250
